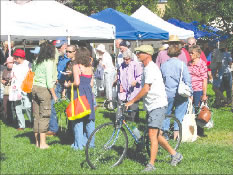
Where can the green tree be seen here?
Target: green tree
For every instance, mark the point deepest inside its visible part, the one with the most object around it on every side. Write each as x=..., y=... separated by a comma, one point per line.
x=184, y=10
x=204, y=11
x=221, y=12
x=125, y=6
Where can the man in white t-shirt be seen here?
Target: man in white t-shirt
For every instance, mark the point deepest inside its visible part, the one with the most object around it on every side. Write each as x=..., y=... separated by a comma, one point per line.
x=109, y=70
x=155, y=101
x=21, y=99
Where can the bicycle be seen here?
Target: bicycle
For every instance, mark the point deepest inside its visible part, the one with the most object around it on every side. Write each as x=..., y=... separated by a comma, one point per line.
x=111, y=141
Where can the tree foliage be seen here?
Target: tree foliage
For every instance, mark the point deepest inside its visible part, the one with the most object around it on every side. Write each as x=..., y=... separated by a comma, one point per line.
x=125, y=6
x=205, y=12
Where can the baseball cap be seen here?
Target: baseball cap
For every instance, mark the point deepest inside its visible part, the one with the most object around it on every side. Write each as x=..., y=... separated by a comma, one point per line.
x=145, y=48
x=19, y=53
x=36, y=50
x=60, y=41
x=9, y=60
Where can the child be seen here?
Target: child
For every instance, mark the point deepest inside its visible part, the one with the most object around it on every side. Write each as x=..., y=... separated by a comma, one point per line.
x=6, y=81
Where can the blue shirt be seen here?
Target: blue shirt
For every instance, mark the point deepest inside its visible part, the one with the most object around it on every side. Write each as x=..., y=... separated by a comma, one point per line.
x=61, y=66
x=226, y=62
x=171, y=71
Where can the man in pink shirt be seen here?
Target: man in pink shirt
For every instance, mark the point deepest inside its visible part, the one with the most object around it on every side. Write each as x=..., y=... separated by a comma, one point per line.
x=163, y=56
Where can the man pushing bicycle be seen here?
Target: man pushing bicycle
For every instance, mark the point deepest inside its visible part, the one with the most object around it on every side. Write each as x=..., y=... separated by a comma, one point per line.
x=155, y=102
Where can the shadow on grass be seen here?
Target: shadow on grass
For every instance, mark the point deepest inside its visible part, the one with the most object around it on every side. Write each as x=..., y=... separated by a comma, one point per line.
x=65, y=137
x=30, y=135
x=110, y=115
x=2, y=157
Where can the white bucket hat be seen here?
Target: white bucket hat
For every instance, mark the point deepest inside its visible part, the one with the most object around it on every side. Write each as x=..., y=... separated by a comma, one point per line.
x=101, y=48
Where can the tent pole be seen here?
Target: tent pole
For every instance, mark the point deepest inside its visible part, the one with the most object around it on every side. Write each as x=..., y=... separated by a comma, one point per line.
x=24, y=45
x=68, y=38
x=9, y=44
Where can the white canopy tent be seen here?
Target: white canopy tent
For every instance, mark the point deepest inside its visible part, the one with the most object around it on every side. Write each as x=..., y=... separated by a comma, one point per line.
x=36, y=20
x=144, y=14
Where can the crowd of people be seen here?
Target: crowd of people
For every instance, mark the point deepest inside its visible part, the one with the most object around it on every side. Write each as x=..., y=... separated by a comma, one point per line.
x=133, y=75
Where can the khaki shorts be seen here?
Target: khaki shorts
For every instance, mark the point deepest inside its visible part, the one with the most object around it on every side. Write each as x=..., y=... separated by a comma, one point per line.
x=41, y=108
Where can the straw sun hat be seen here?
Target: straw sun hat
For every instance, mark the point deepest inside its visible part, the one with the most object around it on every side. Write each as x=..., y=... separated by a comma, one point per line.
x=173, y=38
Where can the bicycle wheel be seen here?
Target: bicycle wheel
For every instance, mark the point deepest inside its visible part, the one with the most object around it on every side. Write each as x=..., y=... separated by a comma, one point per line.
x=109, y=147
x=173, y=143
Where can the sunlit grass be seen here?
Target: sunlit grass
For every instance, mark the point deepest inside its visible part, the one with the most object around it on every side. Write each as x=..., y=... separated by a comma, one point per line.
x=208, y=155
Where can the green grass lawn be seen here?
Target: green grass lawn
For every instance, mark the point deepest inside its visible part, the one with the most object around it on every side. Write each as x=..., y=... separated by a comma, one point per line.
x=209, y=155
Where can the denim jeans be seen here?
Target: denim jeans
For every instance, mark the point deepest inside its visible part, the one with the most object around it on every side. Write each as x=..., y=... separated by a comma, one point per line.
x=180, y=104
x=20, y=105
x=227, y=84
x=53, y=123
x=82, y=130
x=197, y=98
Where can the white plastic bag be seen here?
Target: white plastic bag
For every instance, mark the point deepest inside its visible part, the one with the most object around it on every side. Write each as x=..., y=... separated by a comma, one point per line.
x=189, y=126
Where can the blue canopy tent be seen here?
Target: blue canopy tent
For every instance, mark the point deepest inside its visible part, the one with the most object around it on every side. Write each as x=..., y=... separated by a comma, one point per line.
x=199, y=31
x=130, y=28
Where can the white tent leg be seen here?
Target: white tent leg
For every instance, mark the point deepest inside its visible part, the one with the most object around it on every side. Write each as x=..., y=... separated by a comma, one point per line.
x=9, y=44
x=68, y=38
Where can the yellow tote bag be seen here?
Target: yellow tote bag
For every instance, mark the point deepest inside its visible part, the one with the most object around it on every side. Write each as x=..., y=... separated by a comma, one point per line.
x=78, y=108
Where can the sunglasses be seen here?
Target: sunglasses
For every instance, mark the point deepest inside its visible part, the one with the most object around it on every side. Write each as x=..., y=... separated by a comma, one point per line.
x=191, y=44
x=126, y=59
x=17, y=57
x=68, y=51
x=190, y=53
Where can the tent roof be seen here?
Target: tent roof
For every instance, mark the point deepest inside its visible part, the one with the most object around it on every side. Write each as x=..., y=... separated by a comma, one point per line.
x=149, y=17
x=128, y=27
x=49, y=19
x=207, y=31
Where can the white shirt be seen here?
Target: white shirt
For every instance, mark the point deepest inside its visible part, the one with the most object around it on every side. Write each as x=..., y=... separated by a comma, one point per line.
x=156, y=97
x=19, y=72
x=107, y=63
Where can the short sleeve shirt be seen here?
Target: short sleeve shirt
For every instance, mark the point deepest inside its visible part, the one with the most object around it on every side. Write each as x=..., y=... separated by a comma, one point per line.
x=198, y=73
x=156, y=97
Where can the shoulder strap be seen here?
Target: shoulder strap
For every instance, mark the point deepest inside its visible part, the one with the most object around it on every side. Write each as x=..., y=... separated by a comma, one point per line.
x=181, y=74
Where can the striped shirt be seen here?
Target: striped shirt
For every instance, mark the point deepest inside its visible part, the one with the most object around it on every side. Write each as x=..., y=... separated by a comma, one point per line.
x=198, y=73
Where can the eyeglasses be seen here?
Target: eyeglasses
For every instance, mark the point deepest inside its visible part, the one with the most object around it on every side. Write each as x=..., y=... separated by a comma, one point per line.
x=126, y=59
x=16, y=57
x=68, y=51
x=191, y=53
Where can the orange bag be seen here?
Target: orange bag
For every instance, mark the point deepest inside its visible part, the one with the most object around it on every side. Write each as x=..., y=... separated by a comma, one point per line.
x=78, y=108
x=28, y=82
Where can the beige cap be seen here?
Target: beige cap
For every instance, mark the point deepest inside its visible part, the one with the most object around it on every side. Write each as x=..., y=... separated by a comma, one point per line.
x=146, y=49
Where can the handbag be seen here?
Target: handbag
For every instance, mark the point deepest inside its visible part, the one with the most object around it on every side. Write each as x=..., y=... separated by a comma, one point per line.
x=189, y=126
x=183, y=89
x=28, y=82
x=204, y=114
x=78, y=108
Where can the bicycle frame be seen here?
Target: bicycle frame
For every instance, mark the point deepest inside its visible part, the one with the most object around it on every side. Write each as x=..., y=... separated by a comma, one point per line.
x=121, y=122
